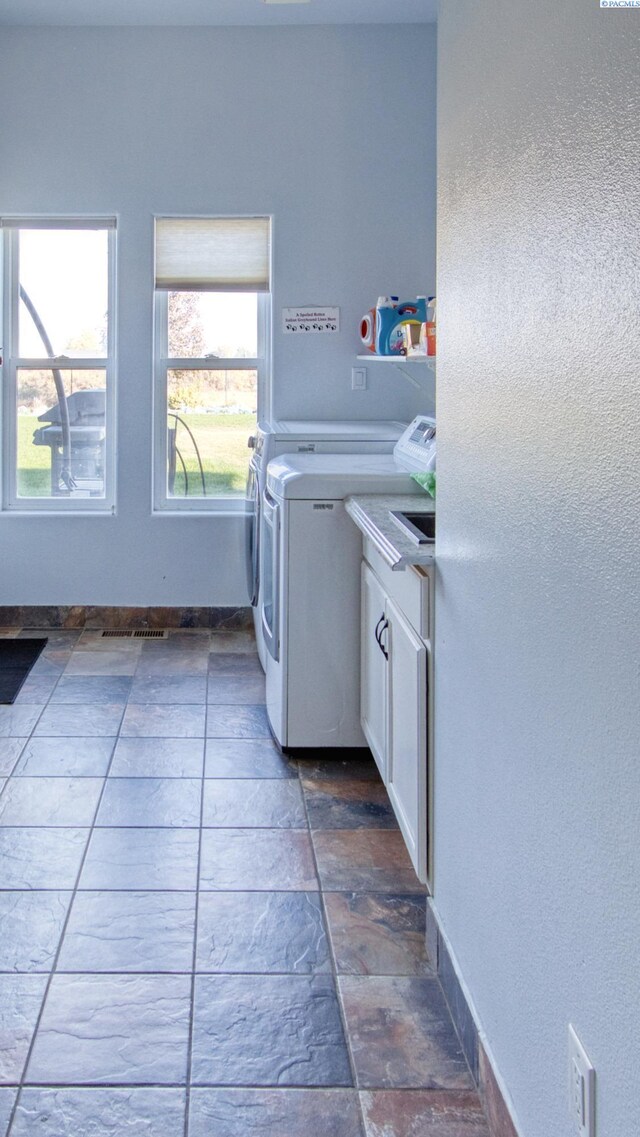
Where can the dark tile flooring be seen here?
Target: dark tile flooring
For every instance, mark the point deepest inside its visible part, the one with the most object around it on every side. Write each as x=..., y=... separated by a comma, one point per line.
x=199, y=937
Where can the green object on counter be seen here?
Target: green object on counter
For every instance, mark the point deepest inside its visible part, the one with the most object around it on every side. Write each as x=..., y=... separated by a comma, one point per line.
x=426, y=481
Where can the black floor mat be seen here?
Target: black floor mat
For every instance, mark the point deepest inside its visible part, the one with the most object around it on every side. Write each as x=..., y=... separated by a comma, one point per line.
x=17, y=657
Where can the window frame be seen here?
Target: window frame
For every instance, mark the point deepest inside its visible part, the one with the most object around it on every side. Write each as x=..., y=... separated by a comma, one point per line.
x=162, y=503
x=12, y=502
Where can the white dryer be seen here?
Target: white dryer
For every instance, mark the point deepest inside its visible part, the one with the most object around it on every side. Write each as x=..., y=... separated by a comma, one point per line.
x=298, y=436
x=310, y=610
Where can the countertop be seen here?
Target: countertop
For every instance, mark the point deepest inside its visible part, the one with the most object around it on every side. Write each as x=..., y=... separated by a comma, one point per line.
x=370, y=512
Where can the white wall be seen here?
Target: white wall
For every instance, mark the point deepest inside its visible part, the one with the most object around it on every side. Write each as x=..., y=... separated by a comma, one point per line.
x=537, y=694
x=332, y=130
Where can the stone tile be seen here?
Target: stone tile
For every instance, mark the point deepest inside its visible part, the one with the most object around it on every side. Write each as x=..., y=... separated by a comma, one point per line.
x=129, y=931
x=85, y=721
x=57, y=638
x=10, y=751
x=237, y=722
x=364, y=860
x=420, y=1113
x=261, y=932
x=114, y=1029
x=348, y=804
x=36, y=689
x=20, y=1001
x=92, y=689
x=255, y=803
x=92, y=639
x=7, y=1099
x=241, y=643
x=144, y=859
x=401, y=1035
x=188, y=639
x=169, y=689
x=32, y=924
x=120, y=662
x=167, y=662
x=377, y=933
x=266, y=859
x=65, y=757
x=319, y=768
x=235, y=664
x=50, y=801
x=246, y=758
x=18, y=721
x=268, y=1030
x=158, y=758
x=498, y=1116
x=144, y=720
x=155, y=802
x=180, y=639
x=100, y=1113
x=458, y=1009
x=274, y=1113
x=41, y=858
x=46, y=667
x=236, y=689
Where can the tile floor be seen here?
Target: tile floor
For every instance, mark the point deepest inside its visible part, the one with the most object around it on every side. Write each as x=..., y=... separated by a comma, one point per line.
x=201, y=938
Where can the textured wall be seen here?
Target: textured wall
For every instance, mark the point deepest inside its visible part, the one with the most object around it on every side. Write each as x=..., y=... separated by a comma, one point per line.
x=332, y=130
x=537, y=691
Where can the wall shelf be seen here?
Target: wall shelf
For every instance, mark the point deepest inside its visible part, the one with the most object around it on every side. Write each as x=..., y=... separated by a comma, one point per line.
x=401, y=362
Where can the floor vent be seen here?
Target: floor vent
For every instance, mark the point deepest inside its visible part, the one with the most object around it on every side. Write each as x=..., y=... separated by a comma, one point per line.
x=138, y=634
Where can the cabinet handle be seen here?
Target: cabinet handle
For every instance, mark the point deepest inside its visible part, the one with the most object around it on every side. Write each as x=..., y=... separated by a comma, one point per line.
x=377, y=631
x=379, y=635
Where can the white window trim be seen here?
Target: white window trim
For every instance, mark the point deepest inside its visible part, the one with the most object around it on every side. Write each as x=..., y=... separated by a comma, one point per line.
x=163, y=504
x=11, y=502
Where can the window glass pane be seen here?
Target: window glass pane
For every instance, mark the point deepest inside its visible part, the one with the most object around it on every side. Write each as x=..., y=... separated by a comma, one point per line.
x=210, y=416
x=65, y=276
x=45, y=466
x=213, y=323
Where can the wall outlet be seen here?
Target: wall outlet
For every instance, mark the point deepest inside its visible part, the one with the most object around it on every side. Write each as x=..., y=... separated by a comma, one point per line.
x=582, y=1085
x=358, y=378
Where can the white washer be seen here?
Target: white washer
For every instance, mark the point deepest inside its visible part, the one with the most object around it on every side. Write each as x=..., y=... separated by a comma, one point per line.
x=310, y=610
x=303, y=437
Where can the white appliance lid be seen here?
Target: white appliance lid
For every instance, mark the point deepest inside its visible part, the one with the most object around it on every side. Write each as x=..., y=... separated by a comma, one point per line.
x=416, y=450
x=335, y=476
x=349, y=431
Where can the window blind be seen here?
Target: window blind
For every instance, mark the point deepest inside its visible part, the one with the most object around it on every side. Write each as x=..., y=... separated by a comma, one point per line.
x=57, y=223
x=213, y=254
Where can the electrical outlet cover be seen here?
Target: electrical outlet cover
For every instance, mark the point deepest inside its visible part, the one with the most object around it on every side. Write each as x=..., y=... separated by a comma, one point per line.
x=582, y=1084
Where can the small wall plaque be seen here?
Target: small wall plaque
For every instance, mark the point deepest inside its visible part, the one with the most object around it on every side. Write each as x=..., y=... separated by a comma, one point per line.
x=305, y=321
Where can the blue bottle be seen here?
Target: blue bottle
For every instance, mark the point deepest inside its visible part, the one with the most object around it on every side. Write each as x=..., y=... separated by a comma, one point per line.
x=390, y=317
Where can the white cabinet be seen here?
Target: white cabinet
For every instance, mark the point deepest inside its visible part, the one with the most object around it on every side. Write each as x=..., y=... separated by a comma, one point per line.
x=407, y=734
x=373, y=669
x=395, y=667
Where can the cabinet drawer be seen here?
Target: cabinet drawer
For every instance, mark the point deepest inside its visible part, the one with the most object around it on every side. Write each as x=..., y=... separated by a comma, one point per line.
x=411, y=589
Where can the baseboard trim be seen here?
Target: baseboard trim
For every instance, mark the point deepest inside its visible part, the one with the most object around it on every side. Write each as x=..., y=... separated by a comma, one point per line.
x=497, y=1112
x=87, y=616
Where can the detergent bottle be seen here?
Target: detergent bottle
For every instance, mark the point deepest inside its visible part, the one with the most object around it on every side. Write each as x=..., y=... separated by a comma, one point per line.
x=430, y=326
x=390, y=321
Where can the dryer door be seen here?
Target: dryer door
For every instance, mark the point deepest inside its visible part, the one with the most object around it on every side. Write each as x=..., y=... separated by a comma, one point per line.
x=270, y=574
x=252, y=534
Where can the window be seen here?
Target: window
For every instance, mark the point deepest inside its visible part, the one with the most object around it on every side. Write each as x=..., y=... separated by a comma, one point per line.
x=58, y=367
x=211, y=319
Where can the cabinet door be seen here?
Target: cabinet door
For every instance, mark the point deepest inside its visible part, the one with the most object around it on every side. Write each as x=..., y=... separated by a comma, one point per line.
x=373, y=670
x=407, y=755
